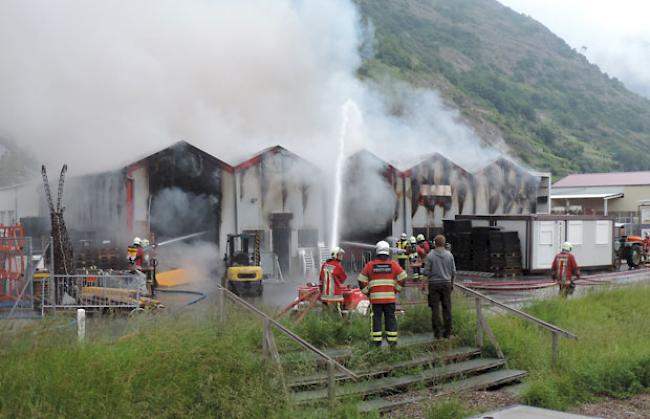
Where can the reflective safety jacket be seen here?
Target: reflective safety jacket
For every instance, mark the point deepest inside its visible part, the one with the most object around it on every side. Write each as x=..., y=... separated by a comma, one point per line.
x=135, y=256
x=382, y=280
x=332, y=277
x=564, y=268
x=406, y=246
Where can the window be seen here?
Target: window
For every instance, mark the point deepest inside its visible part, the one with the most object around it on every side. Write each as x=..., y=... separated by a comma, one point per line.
x=575, y=232
x=603, y=232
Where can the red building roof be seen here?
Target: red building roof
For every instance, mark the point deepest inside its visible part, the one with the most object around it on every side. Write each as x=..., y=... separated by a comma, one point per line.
x=604, y=179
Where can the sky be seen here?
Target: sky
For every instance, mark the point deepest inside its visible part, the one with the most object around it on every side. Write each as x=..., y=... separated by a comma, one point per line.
x=616, y=34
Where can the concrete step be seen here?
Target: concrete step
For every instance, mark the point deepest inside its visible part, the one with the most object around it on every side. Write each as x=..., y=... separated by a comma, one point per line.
x=341, y=354
x=380, y=385
x=478, y=382
x=429, y=359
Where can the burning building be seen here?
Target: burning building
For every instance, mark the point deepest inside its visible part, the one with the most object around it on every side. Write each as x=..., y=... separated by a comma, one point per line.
x=177, y=191
x=281, y=196
x=182, y=190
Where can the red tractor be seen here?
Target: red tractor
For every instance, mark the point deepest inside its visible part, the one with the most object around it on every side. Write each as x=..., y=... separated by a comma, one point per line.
x=635, y=250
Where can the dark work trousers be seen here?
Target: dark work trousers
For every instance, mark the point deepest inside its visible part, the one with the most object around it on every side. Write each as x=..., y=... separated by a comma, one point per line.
x=388, y=312
x=440, y=295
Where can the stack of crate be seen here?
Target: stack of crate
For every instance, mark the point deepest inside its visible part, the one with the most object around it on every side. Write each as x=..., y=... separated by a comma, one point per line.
x=481, y=252
x=459, y=236
x=505, y=253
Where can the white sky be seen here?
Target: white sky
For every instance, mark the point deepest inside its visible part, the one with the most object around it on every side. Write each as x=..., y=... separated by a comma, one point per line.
x=616, y=33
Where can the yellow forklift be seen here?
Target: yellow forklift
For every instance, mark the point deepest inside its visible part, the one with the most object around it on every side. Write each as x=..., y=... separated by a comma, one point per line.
x=243, y=274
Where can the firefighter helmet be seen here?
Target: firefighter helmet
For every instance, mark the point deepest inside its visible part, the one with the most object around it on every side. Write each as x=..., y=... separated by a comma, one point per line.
x=567, y=247
x=420, y=238
x=137, y=241
x=403, y=236
x=382, y=248
x=145, y=242
x=336, y=251
x=412, y=240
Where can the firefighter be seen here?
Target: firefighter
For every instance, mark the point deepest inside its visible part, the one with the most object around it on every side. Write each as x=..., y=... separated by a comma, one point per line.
x=332, y=277
x=423, y=247
x=149, y=266
x=402, y=255
x=414, y=259
x=135, y=254
x=564, y=268
x=381, y=279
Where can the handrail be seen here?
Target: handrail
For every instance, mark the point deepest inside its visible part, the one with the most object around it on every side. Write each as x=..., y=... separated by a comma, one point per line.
x=519, y=313
x=286, y=331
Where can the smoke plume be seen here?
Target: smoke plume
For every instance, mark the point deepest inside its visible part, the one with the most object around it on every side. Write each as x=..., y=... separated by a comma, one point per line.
x=100, y=84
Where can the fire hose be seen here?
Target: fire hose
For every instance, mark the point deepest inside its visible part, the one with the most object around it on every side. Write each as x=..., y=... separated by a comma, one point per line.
x=201, y=295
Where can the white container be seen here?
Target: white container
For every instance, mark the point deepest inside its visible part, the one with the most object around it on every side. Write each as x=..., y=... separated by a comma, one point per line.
x=541, y=236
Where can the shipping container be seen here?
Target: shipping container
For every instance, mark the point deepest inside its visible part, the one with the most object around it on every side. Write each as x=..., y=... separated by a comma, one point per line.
x=541, y=236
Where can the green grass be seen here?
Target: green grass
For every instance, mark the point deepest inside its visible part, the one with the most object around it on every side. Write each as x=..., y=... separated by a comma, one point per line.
x=611, y=357
x=166, y=367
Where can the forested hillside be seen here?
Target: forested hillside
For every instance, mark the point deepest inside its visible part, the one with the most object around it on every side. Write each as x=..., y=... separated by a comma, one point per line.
x=509, y=75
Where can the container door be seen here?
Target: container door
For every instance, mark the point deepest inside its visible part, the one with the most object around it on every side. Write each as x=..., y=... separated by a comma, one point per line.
x=547, y=239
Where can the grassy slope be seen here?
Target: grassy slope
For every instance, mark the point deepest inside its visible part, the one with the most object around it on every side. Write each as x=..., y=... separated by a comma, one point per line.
x=610, y=358
x=508, y=74
x=190, y=366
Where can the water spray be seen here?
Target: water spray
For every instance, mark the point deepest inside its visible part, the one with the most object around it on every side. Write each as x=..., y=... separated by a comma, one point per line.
x=346, y=110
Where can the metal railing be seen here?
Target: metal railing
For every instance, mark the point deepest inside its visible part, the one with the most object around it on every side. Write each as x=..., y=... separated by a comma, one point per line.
x=60, y=292
x=483, y=328
x=268, y=341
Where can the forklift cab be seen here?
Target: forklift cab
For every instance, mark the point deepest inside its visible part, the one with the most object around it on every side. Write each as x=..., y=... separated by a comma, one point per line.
x=242, y=259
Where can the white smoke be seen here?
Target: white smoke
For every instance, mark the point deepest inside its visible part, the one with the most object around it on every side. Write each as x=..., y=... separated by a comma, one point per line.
x=100, y=84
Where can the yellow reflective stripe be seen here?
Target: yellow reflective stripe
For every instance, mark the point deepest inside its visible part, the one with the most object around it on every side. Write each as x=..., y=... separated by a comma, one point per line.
x=391, y=338
x=388, y=333
x=376, y=333
x=379, y=282
x=402, y=276
x=381, y=295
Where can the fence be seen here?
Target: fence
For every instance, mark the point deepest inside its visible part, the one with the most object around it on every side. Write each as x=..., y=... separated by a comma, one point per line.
x=92, y=292
x=16, y=287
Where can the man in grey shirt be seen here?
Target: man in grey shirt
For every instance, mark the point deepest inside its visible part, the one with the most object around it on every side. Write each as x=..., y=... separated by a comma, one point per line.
x=440, y=269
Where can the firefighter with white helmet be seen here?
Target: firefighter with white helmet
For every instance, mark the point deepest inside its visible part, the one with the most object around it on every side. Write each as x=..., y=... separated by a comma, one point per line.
x=135, y=254
x=382, y=279
x=403, y=250
x=414, y=260
x=332, y=277
x=564, y=268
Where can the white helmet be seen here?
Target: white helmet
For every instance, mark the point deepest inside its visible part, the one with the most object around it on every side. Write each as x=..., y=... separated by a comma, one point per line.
x=137, y=241
x=145, y=242
x=403, y=236
x=412, y=240
x=567, y=247
x=420, y=238
x=336, y=251
x=382, y=248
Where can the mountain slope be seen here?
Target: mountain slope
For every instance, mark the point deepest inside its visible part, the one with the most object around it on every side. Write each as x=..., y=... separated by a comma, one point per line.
x=511, y=76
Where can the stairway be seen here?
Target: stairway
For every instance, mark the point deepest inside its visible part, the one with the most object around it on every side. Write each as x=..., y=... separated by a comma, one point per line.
x=450, y=368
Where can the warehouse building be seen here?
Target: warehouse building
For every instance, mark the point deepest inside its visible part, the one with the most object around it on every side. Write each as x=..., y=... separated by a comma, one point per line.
x=183, y=190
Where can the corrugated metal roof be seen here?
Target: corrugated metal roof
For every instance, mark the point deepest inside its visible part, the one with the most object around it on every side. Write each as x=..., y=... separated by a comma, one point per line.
x=588, y=196
x=605, y=179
